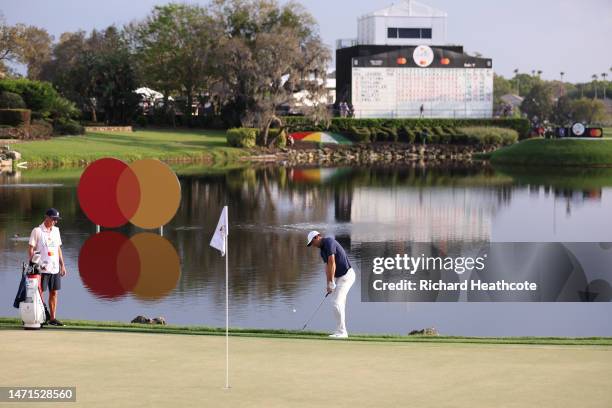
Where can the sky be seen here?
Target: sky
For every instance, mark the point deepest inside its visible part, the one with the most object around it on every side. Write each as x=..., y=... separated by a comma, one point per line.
x=549, y=35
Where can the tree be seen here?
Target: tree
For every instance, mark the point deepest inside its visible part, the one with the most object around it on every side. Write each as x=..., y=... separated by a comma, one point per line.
x=595, y=84
x=96, y=72
x=538, y=103
x=176, y=47
x=563, y=112
x=22, y=44
x=523, y=83
x=269, y=52
x=588, y=110
x=518, y=85
x=604, y=75
x=34, y=49
x=501, y=87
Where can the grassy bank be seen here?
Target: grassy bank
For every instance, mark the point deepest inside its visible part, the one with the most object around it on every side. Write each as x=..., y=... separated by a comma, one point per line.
x=14, y=323
x=547, y=152
x=169, y=145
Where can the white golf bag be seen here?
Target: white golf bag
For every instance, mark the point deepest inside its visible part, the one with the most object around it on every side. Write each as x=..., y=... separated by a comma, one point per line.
x=32, y=309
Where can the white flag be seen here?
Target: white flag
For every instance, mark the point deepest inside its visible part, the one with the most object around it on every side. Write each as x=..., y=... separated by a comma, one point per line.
x=222, y=231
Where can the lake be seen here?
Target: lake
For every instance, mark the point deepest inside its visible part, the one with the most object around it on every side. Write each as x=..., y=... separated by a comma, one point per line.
x=276, y=281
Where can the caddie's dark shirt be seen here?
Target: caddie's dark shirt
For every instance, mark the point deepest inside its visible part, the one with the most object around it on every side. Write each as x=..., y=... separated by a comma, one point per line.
x=330, y=246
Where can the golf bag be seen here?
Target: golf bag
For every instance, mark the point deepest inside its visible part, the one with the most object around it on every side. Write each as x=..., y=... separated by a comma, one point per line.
x=32, y=308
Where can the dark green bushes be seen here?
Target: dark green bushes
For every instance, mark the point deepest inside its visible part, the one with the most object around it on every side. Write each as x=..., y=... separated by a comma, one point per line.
x=440, y=127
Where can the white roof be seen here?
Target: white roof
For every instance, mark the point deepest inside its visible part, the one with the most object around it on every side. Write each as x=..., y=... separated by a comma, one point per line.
x=408, y=8
x=512, y=99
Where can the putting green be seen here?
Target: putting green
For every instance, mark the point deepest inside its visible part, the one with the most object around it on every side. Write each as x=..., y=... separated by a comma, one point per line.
x=143, y=370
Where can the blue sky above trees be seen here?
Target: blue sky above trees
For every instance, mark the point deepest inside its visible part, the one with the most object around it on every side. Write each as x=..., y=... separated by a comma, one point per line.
x=548, y=35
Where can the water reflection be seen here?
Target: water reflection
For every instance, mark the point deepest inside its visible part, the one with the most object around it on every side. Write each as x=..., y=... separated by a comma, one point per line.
x=271, y=209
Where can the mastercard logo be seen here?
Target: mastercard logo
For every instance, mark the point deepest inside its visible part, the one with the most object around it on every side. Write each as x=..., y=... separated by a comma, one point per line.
x=112, y=265
x=112, y=193
x=595, y=132
x=146, y=193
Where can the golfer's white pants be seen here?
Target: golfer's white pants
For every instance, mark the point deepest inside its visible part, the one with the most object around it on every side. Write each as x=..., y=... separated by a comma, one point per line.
x=343, y=285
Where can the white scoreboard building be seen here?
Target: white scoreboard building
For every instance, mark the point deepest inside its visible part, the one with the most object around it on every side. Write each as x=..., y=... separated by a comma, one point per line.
x=399, y=66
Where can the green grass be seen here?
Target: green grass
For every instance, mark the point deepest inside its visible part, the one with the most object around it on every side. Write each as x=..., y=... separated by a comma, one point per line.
x=607, y=132
x=550, y=152
x=7, y=323
x=169, y=145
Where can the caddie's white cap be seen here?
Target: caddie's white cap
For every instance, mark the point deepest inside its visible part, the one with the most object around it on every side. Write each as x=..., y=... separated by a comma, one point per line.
x=311, y=236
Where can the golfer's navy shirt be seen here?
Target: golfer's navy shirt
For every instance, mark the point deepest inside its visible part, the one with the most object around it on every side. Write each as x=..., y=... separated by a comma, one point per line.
x=330, y=246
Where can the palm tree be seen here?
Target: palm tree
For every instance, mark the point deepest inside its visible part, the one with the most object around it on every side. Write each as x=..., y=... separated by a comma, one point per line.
x=533, y=71
x=539, y=72
x=595, y=84
x=562, y=74
x=518, y=81
x=604, y=75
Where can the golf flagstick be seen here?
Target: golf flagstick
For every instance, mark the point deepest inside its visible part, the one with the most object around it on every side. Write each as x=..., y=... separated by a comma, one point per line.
x=226, y=304
x=219, y=241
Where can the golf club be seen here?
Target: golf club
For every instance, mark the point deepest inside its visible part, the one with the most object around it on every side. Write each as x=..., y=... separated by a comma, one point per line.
x=315, y=312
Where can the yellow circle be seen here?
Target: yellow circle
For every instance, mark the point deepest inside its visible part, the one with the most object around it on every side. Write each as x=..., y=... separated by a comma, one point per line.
x=160, y=193
x=160, y=267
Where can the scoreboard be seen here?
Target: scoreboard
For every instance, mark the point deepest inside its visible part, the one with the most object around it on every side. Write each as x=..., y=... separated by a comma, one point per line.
x=401, y=82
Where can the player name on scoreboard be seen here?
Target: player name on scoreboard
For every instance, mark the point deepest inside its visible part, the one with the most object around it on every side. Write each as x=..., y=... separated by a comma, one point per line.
x=445, y=84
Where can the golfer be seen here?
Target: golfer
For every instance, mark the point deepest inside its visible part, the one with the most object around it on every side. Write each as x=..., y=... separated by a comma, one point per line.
x=340, y=277
x=45, y=239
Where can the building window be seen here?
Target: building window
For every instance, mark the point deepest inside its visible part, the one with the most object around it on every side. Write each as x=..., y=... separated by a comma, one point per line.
x=394, y=32
x=409, y=33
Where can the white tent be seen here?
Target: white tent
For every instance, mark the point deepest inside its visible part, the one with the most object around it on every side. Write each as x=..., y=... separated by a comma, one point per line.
x=151, y=93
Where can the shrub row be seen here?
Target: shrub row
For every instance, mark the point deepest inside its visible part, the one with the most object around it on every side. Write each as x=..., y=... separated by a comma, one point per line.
x=482, y=135
x=486, y=135
x=249, y=137
x=346, y=125
x=15, y=117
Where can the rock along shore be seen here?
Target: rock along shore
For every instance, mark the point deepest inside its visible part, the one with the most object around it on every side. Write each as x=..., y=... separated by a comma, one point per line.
x=377, y=153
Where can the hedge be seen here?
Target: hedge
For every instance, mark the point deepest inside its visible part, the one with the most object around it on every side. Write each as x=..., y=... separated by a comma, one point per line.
x=249, y=137
x=484, y=135
x=15, y=117
x=39, y=96
x=441, y=126
x=476, y=135
x=11, y=100
x=242, y=137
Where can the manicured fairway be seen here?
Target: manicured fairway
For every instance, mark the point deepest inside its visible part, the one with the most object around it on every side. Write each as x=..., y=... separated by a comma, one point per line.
x=146, y=369
x=177, y=145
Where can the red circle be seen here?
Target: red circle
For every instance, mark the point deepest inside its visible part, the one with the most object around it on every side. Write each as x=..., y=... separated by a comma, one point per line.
x=97, y=192
x=98, y=264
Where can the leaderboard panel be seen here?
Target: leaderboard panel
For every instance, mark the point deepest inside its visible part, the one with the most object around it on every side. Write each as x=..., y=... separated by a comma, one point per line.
x=430, y=83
